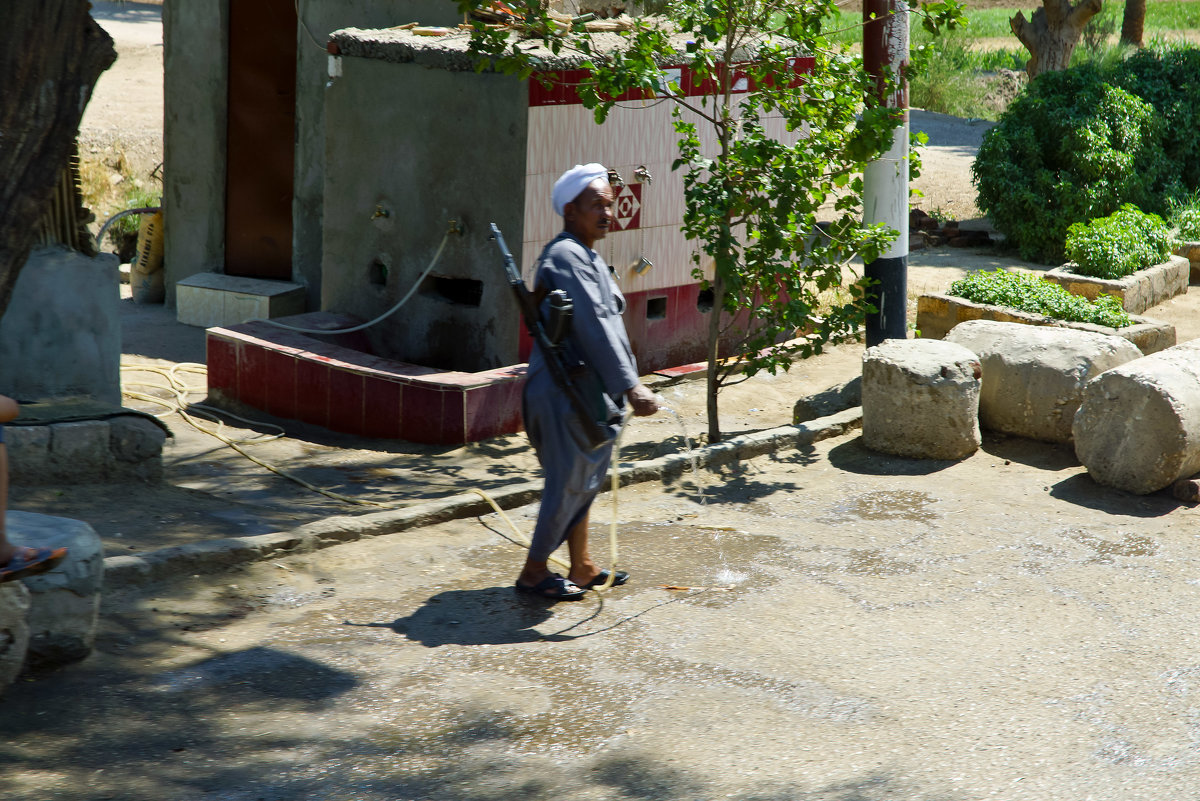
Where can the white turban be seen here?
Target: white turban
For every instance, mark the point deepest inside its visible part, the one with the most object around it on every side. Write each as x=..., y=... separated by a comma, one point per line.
x=575, y=180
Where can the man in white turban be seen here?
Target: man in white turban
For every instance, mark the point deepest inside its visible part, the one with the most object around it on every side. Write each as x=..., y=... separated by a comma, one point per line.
x=602, y=366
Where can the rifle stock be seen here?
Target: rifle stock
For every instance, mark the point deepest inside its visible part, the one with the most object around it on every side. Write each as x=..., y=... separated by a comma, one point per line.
x=528, y=303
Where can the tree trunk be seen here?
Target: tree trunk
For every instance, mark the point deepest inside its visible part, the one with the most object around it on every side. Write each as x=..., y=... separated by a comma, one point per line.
x=51, y=53
x=714, y=356
x=1133, y=23
x=1053, y=33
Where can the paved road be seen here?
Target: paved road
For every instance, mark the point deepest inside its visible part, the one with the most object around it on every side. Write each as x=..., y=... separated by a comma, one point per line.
x=859, y=627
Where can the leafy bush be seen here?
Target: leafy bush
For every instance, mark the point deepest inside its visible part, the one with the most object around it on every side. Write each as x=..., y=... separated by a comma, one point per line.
x=1072, y=148
x=1032, y=293
x=1184, y=218
x=1165, y=77
x=1122, y=243
x=1187, y=224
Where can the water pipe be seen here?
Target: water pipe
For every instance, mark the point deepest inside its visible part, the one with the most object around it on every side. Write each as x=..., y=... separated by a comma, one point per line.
x=454, y=229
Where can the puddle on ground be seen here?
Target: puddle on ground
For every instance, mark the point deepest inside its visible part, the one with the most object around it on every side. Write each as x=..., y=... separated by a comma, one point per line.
x=1107, y=550
x=680, y=555
x=883, y=505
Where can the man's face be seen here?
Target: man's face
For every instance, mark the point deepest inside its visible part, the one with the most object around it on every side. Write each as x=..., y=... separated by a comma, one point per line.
x=589, y=215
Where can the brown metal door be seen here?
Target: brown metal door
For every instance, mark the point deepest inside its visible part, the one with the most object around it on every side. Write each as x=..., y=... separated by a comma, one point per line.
x=260, y=149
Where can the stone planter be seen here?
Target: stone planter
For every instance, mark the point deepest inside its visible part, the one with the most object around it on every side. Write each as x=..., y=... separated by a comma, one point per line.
x=937, y=314
x=1138, y=291
x=1191, y=252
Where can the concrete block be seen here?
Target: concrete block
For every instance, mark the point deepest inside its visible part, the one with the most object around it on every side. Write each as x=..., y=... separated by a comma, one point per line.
x=831, y=401
x=1138, y=291
x=79, y=447
x=14, y=631
x=920, y=398
x=213, y=300
x=1138, y=425
x=937, y=314
x=65, y=602
x=1033, y=376
x=60, y=335
x=28, y=453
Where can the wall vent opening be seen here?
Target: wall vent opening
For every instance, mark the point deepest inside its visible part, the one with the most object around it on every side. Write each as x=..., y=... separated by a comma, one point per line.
x=377, y=273
x=656, y=309
x=460, y=291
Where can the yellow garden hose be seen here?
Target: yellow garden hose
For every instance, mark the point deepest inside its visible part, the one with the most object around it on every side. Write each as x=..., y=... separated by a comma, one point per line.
x=177, y=403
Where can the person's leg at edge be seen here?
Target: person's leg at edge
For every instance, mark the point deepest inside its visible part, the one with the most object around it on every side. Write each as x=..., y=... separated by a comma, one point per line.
x=17, y=561
x=7, y=549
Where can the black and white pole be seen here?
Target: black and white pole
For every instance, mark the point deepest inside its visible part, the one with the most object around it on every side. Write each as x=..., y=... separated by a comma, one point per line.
x=885, y=180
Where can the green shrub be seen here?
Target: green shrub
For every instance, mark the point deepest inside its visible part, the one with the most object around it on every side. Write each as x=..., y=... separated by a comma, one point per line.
x=1187, y=224
x=1070, y=149
x=1122, y=243
x=1166, y=78
x=1184, y=218
x=1032, y=293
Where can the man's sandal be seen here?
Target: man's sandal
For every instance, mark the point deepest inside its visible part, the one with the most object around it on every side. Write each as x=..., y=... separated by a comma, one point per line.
x=29, y=562
x=602, y=577
x=555, y=588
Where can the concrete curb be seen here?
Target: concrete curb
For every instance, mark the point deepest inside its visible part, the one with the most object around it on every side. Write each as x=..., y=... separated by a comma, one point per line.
x=214, y=555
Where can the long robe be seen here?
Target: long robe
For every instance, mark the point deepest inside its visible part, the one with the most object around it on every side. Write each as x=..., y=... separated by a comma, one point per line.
x=602, y=364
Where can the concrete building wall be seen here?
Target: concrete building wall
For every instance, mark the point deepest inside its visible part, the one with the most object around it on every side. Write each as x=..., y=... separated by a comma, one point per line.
x=321, y=17
x=61, y=334
x=196, y=55
x=408, y=150
x=195, y=58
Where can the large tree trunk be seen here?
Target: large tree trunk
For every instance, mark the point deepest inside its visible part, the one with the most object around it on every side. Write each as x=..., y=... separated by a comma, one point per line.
x=1133, y=23
x=51, y=53
x=1052, y=35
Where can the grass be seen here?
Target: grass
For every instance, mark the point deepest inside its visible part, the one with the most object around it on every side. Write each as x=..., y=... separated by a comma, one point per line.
x=959, y=69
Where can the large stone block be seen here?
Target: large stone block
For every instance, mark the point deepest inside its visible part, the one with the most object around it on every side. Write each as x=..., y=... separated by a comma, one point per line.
x=14, y=631
x=920, y=398
x=1138, y=426
x=1033, y=376
x=66, y=600
x=60, y=336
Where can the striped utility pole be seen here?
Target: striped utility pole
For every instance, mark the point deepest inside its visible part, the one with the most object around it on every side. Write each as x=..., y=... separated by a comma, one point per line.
x=885, y=180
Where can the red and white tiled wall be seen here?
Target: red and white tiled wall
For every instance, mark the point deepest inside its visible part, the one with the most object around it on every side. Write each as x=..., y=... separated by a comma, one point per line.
x=663, y=319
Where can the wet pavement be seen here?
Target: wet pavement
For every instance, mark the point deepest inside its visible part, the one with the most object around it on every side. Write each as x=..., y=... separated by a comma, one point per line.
x=818, y=623
x=825, y=623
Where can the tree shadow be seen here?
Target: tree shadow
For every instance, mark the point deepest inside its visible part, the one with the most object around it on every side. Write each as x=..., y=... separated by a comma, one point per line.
x=267, y=722
x=731, y=483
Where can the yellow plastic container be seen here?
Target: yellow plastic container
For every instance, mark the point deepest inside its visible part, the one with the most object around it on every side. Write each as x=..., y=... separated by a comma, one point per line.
x=146, y=271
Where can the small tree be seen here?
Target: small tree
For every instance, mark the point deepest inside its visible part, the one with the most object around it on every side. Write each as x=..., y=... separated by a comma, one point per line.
x=1051, y=35
x=778, y=216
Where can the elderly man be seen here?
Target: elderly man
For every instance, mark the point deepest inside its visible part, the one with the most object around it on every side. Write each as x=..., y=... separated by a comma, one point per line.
x=601, y=363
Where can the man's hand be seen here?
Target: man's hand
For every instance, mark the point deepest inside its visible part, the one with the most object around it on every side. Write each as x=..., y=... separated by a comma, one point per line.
x=643, y=400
